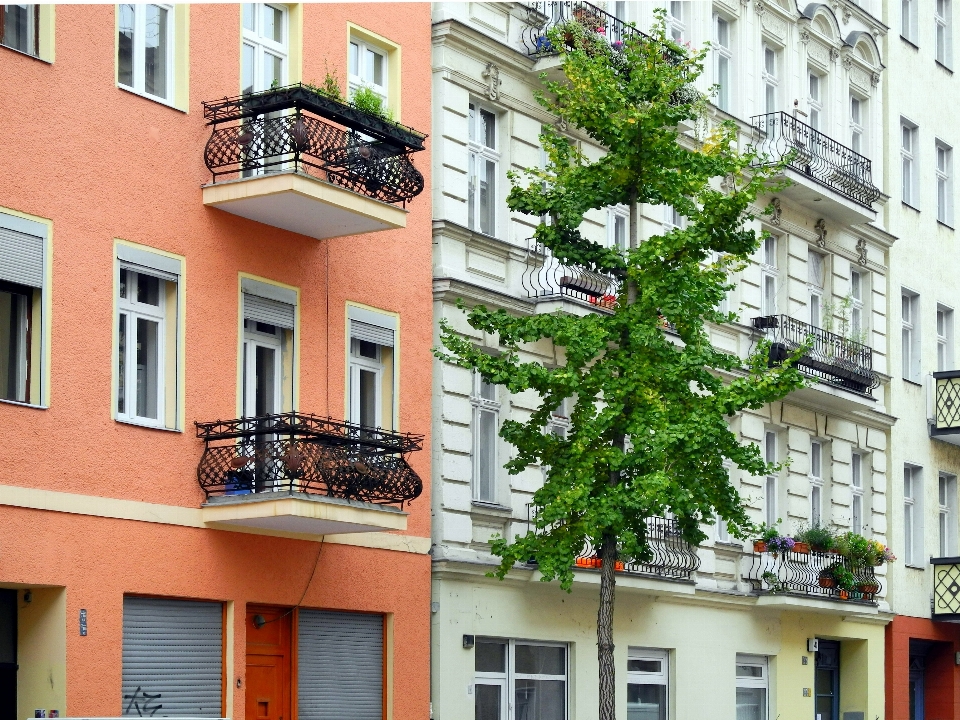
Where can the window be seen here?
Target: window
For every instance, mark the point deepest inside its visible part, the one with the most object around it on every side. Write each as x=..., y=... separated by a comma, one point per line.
x=19, y=28
x=265, y=48
x=856, y=490
x=145, y=49
x=768, y=275
x=484, y=160
x=770, y=76
x=647, y=684
x=752, y=685
x=944, y=156
x=672, y=218
x=617, y=228
x=942, y=20
x=147, y=337
x=486, y=426
x=947, y=515
x=909, y=304
x=23, y=304
x=675, y=19
x=770, y=484
x=908, y=143
x=908, y=20
x=815, y=100
x=912, y=515
x=269, y=315
x=723, y=62
x=816, y=483
x=944, y=338
x=858, y=330
x=367, y=67
x=815, y=280
x=372, y=368
x=559, y=423
x=857, y=117
x=530, y=677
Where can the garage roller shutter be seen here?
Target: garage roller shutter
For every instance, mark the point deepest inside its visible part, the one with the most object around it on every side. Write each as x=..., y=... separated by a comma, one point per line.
x=172, y=657
x=340, y=661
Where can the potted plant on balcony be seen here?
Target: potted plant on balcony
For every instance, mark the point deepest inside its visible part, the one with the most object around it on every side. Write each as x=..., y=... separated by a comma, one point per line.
x=838, y=576
x=780, y=544
x=767, y=533
x=814, y=537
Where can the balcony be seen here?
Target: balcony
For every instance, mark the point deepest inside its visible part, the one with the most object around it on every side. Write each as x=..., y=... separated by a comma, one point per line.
x=946, y=407
x=542, y=16
x=302, y=474
x=830, y=358
x=817, y=162
x=809, y=575
x=299, y=160
x=946, y=588
x=546, y=279
x=671, y=557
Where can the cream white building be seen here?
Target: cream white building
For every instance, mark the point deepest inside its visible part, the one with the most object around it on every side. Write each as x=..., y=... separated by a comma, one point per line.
x=698, y=633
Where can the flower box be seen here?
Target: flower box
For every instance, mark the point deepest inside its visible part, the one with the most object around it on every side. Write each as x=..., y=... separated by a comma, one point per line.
x=595, y=563
x=802, y=548
x=826, y=581
x=759, y=546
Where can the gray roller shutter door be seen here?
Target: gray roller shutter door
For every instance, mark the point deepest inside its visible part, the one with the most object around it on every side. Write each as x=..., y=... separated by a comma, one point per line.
x=340, y=666
x=173, y=653
x=371, y=333
x=268, y=311
x=21, y=257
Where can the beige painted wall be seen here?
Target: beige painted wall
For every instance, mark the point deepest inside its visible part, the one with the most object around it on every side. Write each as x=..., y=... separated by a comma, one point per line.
x=42, y=652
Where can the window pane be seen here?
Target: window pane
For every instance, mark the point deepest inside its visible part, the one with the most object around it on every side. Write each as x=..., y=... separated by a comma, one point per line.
x=246, y=68
x=265, y=382
x=540, y=699
x=488, y=391
x=155, y=51
x=375, y=67
x=646, y=702
x=488, y=129
x=124, y=46
x=353, y=61
x=122, y=366
x=147, y=367
x=749, y=671
x=18, y=28
x=250, y=16
x=148, y=290
x=650, y=666
x=723, y=80
x=751, y=704
x=273, y=23
x=487, y=455
x=490, y=656
x=487, y=199
x=857, y=513
x=13, y=346
x=723, y=32
x=272, y=70
x=472, y=194
x=769, y=61
x=488, y=701
x=368, y=398
x=540, y=660
x=771, y=99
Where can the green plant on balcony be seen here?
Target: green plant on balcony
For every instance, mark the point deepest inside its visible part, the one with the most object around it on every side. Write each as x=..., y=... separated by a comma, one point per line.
x=331, y=86
x=818, y=537
x=839, y=576
x=773, y=582
x=367, y=100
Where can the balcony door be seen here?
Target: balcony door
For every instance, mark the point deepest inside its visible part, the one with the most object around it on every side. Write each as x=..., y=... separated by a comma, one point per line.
x=916, y=687
x=261, y=369
x=264, y=64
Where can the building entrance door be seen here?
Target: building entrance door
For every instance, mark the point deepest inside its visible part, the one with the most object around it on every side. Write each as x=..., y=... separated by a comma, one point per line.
x=268, y=663
x=917, y=667
x=8, y=655
x=827, y=681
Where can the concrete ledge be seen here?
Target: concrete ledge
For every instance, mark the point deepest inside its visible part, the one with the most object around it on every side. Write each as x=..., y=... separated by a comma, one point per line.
x=814, y=605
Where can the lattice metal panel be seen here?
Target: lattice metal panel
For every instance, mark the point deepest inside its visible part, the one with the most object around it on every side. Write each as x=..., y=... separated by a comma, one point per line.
x=946, y=586
x=948, y=403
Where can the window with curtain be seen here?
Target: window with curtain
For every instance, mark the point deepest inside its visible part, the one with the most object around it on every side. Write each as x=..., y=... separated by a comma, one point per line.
x=752, y=686
x=145, y=49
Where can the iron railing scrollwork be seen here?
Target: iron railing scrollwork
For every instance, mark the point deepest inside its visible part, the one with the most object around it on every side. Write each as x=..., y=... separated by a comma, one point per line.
x=544, y=277
x=297, y=129
x=830, y=358
x=779, y=135
x=946, y=587
x=809, y=574
x=303, y=453
x=946, y=418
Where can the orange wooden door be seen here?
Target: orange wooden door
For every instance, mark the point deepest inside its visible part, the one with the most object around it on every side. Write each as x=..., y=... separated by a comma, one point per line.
x=268, y=663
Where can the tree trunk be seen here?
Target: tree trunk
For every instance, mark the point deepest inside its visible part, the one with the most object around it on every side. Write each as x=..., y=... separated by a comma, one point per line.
x=608, y=670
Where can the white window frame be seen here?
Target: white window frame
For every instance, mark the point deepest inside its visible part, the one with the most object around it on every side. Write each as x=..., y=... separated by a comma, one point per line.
x=770, y=79
x=913, y=515
x=479, y=151
x=252, y=339
x=943, y=155
x=908, y=20
x=910, y=334
x=769, y=275
x=360, y=363
x=815, y=105
x=943, y=33
x=263, y=45
x=507, y=679
x=909, y=164
x=618, y=217
x=675, y=20
x=771, y=488
x=857, y=314
x=139, y=51
x=856, y=493
x=132, y=310
x=33, y=30
x=482, y=405
x=816, y=482
x=672, y=219
x=723, y=54
x=559, y=422
x=642, y=677
x=356, y=76
x=858, y=124
x=947, y=514
x=816, y=285
x=944, y=338
x=749, y=682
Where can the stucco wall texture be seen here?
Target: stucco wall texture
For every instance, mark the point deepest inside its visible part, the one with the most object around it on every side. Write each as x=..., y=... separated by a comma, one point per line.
x=102, y=163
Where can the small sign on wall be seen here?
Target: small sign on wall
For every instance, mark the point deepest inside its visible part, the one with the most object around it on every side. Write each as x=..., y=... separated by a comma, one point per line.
x=83, y=621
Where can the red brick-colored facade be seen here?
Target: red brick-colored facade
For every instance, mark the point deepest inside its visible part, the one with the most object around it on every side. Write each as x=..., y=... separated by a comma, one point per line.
x=942, y=675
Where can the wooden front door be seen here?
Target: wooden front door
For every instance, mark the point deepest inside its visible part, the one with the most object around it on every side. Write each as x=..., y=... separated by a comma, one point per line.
x=268, y=663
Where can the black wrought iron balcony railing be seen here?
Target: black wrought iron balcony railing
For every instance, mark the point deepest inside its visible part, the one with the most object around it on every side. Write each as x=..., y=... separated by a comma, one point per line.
x=946, y=588
x=830, y=358
x=810, y=152
x=302, y=453
x=297, y=129
x=811, y=574
x=946, y=419
x=544, y=277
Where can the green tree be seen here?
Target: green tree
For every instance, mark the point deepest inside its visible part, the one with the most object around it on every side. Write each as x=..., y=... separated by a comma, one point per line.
x=649, y=430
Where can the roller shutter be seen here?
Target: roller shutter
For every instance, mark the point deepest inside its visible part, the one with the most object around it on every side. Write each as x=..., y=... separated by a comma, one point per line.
x=21, y=257
x=268, y=311
x=340, y=666
x=172, y=658
x=371, y=333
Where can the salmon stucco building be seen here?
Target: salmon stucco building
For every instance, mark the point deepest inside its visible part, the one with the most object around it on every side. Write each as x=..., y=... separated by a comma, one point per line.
x=215, y=332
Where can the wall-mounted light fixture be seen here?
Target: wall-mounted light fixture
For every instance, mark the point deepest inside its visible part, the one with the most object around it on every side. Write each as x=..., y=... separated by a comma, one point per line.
x=259, y=621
